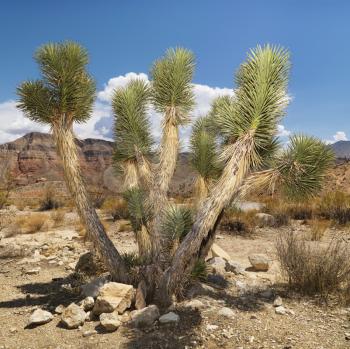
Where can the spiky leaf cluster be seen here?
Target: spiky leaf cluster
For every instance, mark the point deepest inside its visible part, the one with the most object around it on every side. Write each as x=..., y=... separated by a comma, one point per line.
x=177, y=222
x=203, y=149
x=259, y=102
x=171, y=82
x=302, y=166
x=140, y=213
x=132, y=126
x=66, y=91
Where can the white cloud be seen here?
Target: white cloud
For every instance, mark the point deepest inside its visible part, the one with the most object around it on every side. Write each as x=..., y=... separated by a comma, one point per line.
x=338, y=136
x=282, y=131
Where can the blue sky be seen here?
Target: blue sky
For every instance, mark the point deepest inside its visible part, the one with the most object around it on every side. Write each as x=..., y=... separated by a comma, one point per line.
x=126, y=36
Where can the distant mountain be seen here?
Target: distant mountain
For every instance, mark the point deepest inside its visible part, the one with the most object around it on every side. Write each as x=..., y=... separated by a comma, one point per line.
x=341, y=149
x=32, y=160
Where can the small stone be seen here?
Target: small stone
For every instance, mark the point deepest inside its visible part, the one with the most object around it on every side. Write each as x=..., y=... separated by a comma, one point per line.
x=110, y=321
x=234, y=267
x=87, y=303
x=226, y=312
x=347, y=336
x=195, y=304
x=259, y=262
x=59, y=309
x=145, y=317
x=169, y=318
x=73, y=316
x=13, y=330
x=33, y=271
x=277, y=302
x=212, y=327
x=281, y=310
x=40, y=317
x=89, y=333
x=265, y=220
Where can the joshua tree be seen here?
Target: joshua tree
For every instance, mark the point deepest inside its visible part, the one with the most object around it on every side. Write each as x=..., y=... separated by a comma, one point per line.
x=64, y=95
x=234, y=151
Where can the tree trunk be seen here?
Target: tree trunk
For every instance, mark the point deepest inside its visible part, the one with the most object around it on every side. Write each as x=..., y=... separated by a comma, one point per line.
x=96, y=233
x=206, y=219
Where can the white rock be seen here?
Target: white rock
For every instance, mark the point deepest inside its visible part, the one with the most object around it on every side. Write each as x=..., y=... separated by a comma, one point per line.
x=265, y=219
x=281, y=310
x=212, y=327
x=145, y=317
x=217, y=264
x=113, y=296
x=87, y=303
x=73, y=316
x=92, y=288
x=277, y=302
x=40, y=317
x=59, y=309
x=226, y=312
x=195, y=304
x=89, y=333
x=110, y=321
x=217, y=251
x=234, y=267
x=33, y=271
x=259, y=262
x=169, y=317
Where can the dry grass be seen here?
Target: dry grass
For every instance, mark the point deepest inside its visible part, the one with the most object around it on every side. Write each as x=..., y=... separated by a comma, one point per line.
x=57, y=217
x=239, y=222
x=116, y=207
x=29, y=224
x=318, y=228
x=314, y=269
x=335, y=206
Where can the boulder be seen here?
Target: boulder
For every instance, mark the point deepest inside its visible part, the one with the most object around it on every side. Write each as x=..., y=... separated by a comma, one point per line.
x=265, y=220
x=277, y=302
x=169, y=318
x=39, y=317
x=217, y=251
x=73, y=316
x=110, y=321
x=59, y=309
x=259, y=262
x=217, y=264
x=281, y=310
x=145, y=317
x=113, y=296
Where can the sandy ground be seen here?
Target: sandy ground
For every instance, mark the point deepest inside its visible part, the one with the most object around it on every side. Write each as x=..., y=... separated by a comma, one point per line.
x=254, y=324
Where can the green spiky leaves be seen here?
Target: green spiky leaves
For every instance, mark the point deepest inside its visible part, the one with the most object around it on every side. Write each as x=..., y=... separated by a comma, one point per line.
x=302, y=166
x=140, y=213
x=66, y=90
x=132, y=127
x=177, y=222
x=172, y=83
x=203, y=149
x=260, y=100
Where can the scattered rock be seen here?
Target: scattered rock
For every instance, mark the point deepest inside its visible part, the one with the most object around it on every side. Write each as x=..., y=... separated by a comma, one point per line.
x=87, y=303
x=226, y=312
x=217, y=251
x=195, y=304
x=169, y=318
x=212, y=327
x=110, y=321
x=13, y=330
x=234, y=267
x=113, y=296
x=145, y=317
x=259, y=262
x=281, y=310
x=33, y=271
x=217, y=279
x=200, y=289
x=73, y=316
x=277, y=302
x=89, y=333
x=347, y=336
x=9, y=250
x=40, y=317
x=59, y=309
x=217, y=265
x=265, y=220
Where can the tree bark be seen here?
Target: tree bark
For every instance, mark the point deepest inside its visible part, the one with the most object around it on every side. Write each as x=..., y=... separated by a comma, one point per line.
x=96, y=233
x=207, y=219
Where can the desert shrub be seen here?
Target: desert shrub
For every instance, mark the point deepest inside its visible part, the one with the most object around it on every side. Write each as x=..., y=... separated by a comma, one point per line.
x=132, y=259
x=335, y=206
x=3, y=199
x=57, y=217
x=318, y=228
x=300, y=210
x=28, y=224
x=239, y=222
x=313, y=269
x=199, y=271
x=6, y=220
x=49, y=201
x=116, y=207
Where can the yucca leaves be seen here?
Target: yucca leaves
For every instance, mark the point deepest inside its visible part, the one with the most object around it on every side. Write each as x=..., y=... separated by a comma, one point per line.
x=259, y=102
x=177, y=222
x=65, y=91
x=203, y=149
x=132, y=126
x=137, y=206
x=302, y=166
x=172, y=83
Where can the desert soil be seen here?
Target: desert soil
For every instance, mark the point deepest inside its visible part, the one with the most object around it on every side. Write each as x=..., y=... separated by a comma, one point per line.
x=255, y=324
